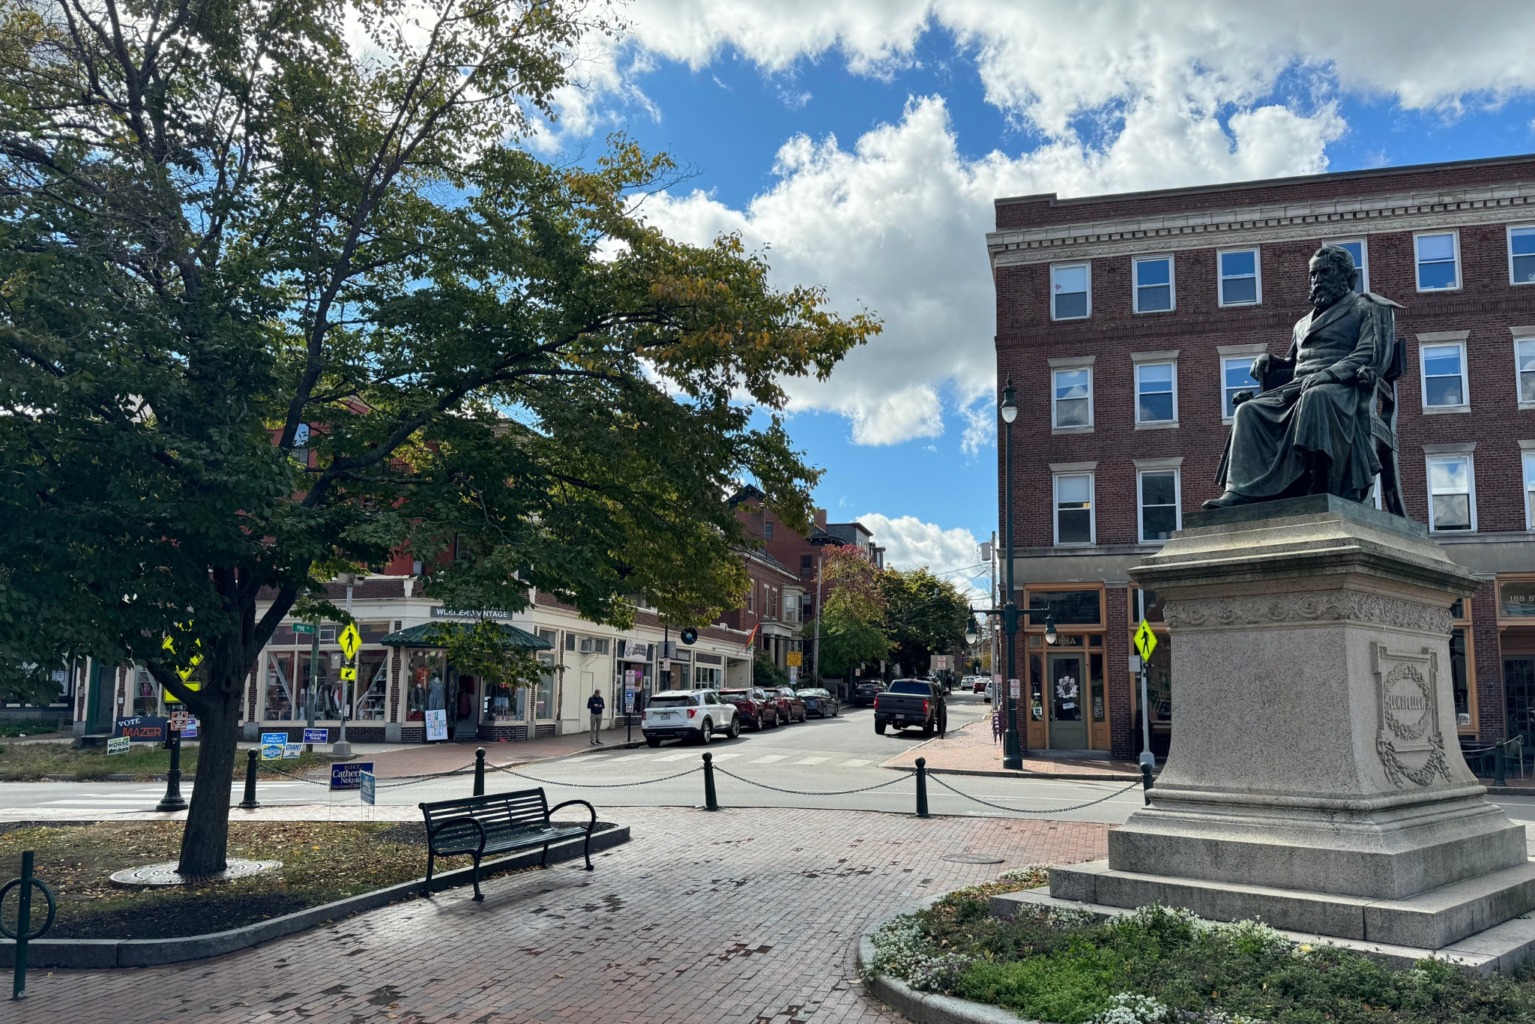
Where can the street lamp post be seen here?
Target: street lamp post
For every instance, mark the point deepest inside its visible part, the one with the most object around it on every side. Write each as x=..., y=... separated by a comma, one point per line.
x=1012, y=747
x=1012, y=750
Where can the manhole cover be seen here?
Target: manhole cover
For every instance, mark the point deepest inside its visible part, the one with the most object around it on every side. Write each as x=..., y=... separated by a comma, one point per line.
x=166, y=873
x=971, y=858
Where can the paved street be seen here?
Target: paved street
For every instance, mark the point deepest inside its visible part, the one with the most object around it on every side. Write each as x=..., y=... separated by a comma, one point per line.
x=746, y=916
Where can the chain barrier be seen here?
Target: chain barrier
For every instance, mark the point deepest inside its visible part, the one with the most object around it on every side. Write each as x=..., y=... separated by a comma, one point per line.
x=408, y=780
x=1018, y=810
x=801, y=792
x=593, y=785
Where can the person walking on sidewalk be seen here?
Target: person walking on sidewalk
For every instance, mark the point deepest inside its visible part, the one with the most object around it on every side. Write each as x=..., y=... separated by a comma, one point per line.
x=595, y=705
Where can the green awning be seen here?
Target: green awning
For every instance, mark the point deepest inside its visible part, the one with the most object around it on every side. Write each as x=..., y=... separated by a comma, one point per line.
x=420, y=636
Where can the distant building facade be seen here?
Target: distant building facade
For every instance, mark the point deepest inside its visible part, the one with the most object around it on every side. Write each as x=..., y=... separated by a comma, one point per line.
x=1127, y=323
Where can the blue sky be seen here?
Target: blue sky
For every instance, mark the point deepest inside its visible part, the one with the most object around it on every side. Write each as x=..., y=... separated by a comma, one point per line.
x=862, y=143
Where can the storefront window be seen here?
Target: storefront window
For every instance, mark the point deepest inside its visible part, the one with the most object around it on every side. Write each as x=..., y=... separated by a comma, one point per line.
x=506, y=703
x=1459, y=677
x=427, y=686
x=1066, y=607
x=706, y=678
x=1147, y=605
x=1036, y=688
x=543, y=694
x=1095, y=684
x=144, y=691
x=1516, y=599
x=281, y=695
x=372, y=685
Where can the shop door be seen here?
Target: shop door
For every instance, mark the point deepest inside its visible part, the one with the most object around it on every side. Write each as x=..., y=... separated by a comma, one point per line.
x=101, y=700
x=1068, y=727
x=464, y=712
x=1519, y=694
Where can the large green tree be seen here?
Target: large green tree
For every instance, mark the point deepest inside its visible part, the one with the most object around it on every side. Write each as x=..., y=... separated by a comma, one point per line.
x=224, y=223
x=925, y=615
x=852, y=612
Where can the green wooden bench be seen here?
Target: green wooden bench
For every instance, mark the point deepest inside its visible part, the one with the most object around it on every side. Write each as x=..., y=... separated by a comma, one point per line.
x=497, y=823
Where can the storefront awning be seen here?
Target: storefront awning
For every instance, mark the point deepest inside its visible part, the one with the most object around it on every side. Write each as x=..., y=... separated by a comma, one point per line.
x=424, y=636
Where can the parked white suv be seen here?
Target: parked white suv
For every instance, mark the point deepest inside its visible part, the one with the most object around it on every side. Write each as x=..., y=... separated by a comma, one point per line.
x=688, y=714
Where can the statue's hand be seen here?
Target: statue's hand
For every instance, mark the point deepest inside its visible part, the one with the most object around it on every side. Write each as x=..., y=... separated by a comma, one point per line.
x=1320, y=377
x=1260, y=366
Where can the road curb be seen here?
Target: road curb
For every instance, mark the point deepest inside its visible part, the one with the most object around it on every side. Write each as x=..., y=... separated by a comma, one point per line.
x=1003, y=773
x=99, y=954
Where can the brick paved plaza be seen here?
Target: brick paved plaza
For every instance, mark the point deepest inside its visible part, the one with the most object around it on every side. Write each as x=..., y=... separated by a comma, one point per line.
x=745, y=916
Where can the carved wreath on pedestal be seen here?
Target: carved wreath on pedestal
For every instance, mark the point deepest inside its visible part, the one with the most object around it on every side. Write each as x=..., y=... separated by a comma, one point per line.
x=1409, y=743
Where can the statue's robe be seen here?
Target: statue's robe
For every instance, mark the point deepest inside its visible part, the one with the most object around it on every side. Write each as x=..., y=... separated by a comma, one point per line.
x=1283, y=437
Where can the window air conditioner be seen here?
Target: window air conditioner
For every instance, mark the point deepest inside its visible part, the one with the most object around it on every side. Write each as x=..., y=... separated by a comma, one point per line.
x=586, y=645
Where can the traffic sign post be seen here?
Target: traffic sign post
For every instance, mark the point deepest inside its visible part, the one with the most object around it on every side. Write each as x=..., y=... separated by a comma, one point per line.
x=350, y=640
x=1145, y=642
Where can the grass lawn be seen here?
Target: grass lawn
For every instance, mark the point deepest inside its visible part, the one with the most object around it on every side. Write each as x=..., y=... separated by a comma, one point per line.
x=33, y=727
x=1161, y=966
x=26, y=762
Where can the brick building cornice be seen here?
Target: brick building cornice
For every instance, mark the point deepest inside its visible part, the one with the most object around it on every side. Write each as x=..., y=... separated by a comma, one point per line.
x=1076, y=234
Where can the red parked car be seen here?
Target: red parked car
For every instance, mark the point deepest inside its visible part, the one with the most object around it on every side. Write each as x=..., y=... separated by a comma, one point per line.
x=757, y=707
x=790, y=707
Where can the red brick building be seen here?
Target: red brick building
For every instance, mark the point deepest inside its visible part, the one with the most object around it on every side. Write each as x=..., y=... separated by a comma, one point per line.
x=1127, y=322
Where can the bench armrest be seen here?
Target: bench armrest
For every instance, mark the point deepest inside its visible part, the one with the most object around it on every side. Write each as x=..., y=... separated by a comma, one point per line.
x=456, y=823
x=589, y=810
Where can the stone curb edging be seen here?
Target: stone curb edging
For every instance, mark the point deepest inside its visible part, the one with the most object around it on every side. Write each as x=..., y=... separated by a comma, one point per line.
x=99, y=954
x=925, y=1007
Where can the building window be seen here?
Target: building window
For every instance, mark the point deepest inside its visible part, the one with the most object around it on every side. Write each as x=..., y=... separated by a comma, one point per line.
x=1236, y=375
x=806, y=565
x=543, y=693
x=1356, y=248
x=1438, y=261
x=1521, y=255
x=1524, y=364
x=1451, y=494
x=751, y=598
x=1074, y=508
x=1529, y=490
x=1159, y=504
x=1444, y=376
x=1156, y=393
x=1072, y=400
x=767, y=531
x=1240, y=283
x=1153, y=284
x=1071, y=291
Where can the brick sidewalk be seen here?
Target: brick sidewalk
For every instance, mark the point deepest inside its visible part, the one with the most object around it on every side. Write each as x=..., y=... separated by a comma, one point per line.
x=744, y=916
x=972, y=750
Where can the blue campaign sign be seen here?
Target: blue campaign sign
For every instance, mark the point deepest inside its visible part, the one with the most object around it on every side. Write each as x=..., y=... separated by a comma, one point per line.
x=272, y=744
x=316, y=735
x=349, y=775
x=367, y=784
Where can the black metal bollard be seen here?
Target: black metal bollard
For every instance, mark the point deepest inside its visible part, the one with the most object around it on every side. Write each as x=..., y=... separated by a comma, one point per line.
x=711, y=800
x=1146, y=782
x=249, y=803
x=922, y=787
x=173, y=800
x=479, y=771
x=24, y=932
x=1499, y=756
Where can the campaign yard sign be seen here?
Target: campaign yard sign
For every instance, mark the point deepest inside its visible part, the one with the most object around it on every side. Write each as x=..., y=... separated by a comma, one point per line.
x=292, y=750
x=316, y=735
x=118, y=745
x=143, y=729
x=349, y=775
x=367, y=784
x=272, y=744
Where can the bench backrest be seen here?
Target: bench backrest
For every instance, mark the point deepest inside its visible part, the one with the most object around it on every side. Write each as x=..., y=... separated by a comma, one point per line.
x=527, y=808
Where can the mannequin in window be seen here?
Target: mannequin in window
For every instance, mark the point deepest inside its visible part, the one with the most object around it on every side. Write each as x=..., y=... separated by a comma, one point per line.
x=436, y=694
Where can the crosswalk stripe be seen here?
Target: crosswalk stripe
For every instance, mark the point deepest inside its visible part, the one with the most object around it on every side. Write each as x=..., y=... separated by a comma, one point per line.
x=812, y=760
x=770, y=759
x=725, y=757
x=854, y=763
x=676, y=757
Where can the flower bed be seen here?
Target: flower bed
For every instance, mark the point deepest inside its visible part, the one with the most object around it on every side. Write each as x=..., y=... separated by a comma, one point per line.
x=1161, y=966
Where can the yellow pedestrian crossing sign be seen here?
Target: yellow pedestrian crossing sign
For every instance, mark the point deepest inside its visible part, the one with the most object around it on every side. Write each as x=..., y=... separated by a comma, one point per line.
x=350, y=640
x=349, y=673
x=1145, y=640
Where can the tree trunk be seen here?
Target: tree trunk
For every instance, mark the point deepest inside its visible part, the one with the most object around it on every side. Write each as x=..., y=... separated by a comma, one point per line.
x=205, y=841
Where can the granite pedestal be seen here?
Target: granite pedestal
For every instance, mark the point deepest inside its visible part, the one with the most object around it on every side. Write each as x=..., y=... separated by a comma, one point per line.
x=1314, y=779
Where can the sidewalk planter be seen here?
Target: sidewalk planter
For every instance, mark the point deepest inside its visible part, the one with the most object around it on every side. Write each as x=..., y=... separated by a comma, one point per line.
x=98, y=954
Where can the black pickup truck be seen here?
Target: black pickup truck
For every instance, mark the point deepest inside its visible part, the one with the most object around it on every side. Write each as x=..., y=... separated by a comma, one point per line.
x=912, y=703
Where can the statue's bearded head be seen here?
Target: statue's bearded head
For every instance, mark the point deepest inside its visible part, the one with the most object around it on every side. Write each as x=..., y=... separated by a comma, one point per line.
x=1332, y=275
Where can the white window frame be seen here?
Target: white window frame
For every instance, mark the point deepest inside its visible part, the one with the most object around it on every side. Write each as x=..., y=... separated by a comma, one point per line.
x=1512, y=228
x=1445, y=453
x=1143, y=467
x=1443, y=339
x=1070, y=366
x=1142, y=360
x=1246, y=353
x=1523, y=337
x=1087, y=268
x=1417, y=260
x=1362, y=264
x=1527, y=462
x=1135, y=283
x=1058, y=472
x=1221, y=277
